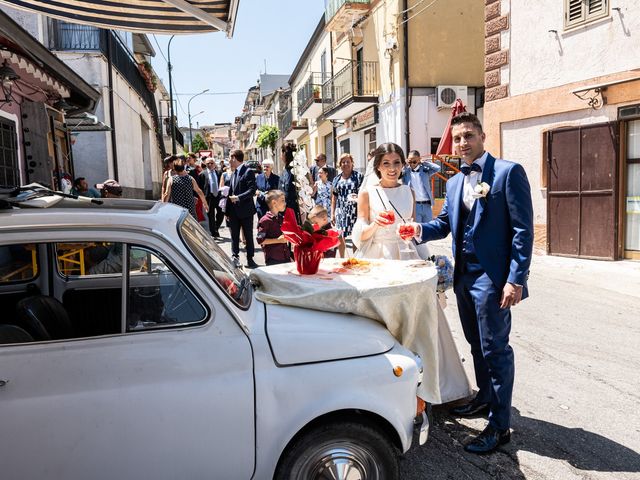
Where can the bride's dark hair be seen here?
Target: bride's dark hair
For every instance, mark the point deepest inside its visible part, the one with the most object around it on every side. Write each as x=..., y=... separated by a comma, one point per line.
x=381, y=151
x=288, y=149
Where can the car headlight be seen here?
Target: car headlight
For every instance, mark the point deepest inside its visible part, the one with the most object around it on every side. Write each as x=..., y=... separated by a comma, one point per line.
x=418, y=360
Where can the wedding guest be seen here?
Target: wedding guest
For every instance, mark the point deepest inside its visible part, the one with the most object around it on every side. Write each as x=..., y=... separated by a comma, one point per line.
x=322, y=189
x=82, y=189
x=274, y=246
x=265, y=181
x=488, y=210
x=109, y=189
x=180, y=189
x=321, y=162
x=240, y=208
x=343, y=202
x=320, y=217
x=287, y=179
x=417, y=174
x=168, y=172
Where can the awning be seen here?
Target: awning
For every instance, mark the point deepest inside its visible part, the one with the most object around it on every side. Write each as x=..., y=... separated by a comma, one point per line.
x=148, y=16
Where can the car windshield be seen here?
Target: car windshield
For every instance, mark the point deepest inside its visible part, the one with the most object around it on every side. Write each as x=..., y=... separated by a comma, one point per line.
x=217, y=264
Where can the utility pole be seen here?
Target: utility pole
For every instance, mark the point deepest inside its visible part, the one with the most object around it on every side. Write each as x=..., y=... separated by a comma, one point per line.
x=171, y=113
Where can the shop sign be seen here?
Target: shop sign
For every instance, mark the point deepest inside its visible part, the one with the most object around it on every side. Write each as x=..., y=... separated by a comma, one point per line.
x=365, y=119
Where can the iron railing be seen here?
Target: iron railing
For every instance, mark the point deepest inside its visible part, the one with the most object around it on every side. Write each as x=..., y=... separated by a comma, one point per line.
x=285, y=122
x=307, y=93
x=66, y=36
x=332, y=6
x=356, y=79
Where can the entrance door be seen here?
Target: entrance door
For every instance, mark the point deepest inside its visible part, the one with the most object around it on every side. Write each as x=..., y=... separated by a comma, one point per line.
x=632, y=197
x=582, y=183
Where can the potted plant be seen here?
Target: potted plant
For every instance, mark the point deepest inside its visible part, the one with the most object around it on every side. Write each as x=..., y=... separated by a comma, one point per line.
x=316, y=92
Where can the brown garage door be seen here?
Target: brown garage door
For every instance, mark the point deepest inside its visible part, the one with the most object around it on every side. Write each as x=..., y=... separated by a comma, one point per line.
x=582, y=191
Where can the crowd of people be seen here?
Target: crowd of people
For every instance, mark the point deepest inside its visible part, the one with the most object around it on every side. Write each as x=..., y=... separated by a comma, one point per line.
x=219, y=193
x=213, y=192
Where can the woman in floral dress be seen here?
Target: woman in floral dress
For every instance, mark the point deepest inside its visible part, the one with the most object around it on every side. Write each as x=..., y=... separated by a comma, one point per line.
x=344, y=199
x=322, y=189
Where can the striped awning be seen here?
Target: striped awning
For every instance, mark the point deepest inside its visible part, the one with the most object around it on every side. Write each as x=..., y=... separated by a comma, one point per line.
x=146, y=16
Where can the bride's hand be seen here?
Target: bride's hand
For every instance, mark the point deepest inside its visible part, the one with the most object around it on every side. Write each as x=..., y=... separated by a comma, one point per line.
x=382, y=220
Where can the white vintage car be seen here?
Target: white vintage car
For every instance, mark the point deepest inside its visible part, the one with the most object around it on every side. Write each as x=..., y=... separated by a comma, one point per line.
x=131, y=347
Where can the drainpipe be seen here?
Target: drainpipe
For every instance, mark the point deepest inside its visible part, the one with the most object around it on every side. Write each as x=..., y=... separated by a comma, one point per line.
x=333, y=125
x=112, y=115
x=407, y=98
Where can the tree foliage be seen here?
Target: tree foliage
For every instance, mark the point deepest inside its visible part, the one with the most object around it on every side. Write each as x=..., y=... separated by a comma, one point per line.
x=198, y=144
x=268, y=136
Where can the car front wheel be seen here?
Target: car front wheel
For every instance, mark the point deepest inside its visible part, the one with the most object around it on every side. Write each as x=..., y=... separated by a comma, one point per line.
x=344, y=451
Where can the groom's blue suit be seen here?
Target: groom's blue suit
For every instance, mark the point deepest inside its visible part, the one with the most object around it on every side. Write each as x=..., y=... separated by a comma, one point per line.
x=492, y=245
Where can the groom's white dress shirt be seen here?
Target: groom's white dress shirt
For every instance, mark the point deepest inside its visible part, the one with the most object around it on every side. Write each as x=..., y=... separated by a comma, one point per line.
x=470, y=182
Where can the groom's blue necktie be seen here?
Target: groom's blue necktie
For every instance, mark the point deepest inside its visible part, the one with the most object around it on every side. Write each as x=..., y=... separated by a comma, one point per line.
x=467, y=169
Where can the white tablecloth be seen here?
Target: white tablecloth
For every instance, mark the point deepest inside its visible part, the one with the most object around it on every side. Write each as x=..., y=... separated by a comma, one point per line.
x=400, y=294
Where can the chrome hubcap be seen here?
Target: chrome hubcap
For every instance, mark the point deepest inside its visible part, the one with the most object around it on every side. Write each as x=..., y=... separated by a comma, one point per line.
x=340, y=461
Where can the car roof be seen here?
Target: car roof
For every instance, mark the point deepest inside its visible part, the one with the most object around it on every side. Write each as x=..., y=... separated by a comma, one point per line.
x=124, y=213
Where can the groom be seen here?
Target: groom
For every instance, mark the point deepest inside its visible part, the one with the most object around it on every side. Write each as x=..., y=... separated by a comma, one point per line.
x=489, y=213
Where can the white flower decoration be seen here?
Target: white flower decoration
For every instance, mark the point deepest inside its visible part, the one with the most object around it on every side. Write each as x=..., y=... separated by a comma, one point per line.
x=300, y=171
x=481, y=190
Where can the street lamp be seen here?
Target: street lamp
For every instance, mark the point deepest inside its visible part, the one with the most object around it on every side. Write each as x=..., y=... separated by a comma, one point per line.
x=190, y=134
x=189, y=115
x=171, y=113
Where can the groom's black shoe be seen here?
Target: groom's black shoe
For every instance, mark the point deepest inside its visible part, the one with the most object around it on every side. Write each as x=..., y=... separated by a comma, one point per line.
x=490, y=439
x=471, y=409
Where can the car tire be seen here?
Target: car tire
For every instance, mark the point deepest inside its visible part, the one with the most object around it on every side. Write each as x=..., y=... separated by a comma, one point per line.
x=347, y=447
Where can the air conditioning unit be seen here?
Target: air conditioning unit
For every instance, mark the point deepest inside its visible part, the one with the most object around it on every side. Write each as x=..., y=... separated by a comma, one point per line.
x=446, y=95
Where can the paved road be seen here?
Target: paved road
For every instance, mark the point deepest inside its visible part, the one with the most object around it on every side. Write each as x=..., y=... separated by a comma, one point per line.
x=576, y=405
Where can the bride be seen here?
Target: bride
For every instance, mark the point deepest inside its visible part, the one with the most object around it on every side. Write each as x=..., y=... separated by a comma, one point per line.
x=382, y=208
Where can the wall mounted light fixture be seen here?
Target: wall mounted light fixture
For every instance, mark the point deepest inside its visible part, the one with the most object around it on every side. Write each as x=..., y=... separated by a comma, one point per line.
x=7, y=76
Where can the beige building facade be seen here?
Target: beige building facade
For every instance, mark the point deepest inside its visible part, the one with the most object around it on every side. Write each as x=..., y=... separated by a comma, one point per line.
x=560, y=101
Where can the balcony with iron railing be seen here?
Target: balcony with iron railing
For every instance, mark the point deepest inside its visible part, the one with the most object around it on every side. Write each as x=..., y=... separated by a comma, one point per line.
x=71, y=37
x=341, y=14
x=292, y=129
x=352, y=89
x=309, y=96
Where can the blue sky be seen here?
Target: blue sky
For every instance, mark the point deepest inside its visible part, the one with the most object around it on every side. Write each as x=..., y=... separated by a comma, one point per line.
x=273, y=30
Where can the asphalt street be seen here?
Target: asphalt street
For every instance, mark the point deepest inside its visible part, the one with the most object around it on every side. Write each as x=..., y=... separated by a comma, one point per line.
x=576, y=404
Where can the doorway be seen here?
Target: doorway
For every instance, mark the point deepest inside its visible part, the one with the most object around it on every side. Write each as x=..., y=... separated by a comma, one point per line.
x=582, y=191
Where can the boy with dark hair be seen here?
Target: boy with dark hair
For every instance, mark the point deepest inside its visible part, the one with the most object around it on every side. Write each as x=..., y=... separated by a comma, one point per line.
x=274, y=246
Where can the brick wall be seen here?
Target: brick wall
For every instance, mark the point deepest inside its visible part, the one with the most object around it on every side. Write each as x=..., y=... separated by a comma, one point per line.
x=495, y=57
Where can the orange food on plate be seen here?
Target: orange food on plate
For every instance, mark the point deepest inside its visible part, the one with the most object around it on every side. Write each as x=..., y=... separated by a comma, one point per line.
x=355, y=263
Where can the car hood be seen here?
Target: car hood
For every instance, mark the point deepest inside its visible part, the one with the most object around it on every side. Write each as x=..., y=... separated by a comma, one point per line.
x=298, y=335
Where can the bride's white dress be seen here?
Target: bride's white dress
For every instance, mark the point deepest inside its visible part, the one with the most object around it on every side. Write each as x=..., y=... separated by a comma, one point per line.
x=385, y=243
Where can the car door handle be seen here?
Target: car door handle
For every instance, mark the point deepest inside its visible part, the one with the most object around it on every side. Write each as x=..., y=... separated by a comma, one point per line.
x=3, y=382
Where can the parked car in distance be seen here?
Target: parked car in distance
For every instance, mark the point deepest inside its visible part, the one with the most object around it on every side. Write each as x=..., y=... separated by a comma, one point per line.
x=131, y=347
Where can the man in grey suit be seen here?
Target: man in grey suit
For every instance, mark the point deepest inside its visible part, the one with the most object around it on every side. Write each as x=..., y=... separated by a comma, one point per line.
x=418, y=175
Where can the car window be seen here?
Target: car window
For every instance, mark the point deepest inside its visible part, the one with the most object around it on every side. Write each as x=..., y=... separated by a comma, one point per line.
x=217, y=264
x=157, y=297
x=88, y=258
x=18, y=263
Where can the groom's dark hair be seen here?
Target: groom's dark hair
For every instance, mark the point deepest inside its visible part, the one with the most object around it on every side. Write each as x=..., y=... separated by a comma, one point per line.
x=383, y=150
x=466, y=117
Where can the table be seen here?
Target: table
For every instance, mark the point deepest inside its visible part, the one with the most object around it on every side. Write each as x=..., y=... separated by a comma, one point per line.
x=399, y=293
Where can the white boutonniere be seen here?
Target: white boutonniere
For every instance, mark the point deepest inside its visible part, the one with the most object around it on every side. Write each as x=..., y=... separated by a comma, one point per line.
x=481, y=190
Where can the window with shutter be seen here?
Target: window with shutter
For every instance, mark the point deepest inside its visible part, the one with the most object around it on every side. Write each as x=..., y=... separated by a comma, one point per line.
x=581, y=12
